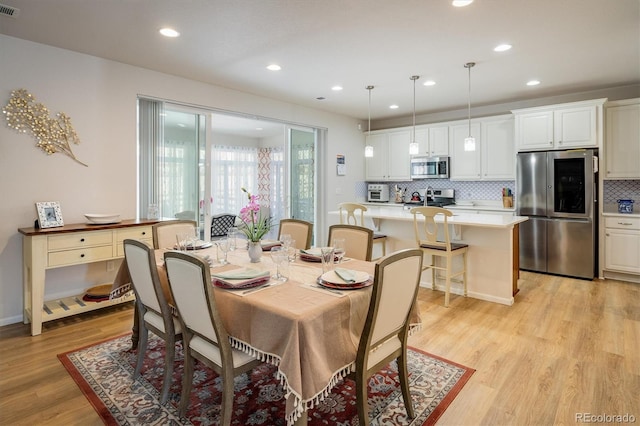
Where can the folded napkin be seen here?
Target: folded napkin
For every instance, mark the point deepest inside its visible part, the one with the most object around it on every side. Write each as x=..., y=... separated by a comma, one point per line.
x=240, y=274
x=347, y=275
x=313, y=252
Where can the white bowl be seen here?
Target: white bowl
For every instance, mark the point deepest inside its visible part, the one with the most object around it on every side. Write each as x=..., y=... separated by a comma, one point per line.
x=102, y=218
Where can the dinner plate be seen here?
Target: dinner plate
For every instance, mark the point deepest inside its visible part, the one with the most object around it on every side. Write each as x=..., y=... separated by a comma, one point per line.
x=357, y=286
x=333, y=278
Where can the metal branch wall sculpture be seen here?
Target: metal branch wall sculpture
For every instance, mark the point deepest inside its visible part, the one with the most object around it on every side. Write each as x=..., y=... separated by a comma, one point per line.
x=53, y=135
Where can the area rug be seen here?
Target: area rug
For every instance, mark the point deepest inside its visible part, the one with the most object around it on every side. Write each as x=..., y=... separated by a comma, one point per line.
x=103, y=372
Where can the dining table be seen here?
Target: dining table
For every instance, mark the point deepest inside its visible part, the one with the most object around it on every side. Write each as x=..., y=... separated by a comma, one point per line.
x=309, y=332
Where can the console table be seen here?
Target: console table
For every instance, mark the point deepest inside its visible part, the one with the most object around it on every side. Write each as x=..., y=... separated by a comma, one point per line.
x=70, y=245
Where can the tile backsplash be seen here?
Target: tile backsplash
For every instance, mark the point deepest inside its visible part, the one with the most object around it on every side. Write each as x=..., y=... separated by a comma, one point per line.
x=613, y=189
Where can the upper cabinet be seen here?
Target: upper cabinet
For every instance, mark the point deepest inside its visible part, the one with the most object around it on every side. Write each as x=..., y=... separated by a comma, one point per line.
x=433, y=141
x=494, y=156
x=564, y=126
x=622, y=142
x=391, y=159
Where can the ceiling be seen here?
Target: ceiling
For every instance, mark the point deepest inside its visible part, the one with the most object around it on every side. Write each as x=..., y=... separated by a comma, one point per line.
x=569, y=45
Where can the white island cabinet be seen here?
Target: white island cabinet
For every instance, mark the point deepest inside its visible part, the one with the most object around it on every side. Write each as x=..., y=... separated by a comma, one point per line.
x=69, y=245
x=493, y=256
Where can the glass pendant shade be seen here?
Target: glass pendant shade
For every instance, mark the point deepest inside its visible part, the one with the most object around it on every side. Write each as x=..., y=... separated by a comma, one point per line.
x=368, y=149
x=414, y=148
x=469, y=141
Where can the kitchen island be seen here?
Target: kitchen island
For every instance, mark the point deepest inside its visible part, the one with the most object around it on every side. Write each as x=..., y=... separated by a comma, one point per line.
x=492, y=259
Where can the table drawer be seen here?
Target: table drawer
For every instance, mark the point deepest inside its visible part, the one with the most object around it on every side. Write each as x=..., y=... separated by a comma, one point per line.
x=79, y=240
x=120, y=246
x=137, y=233
x=622, y=222
x=81, y=255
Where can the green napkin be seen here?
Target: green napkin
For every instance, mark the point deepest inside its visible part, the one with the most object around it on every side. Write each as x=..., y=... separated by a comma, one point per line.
x=240, y=274
x=347, y=275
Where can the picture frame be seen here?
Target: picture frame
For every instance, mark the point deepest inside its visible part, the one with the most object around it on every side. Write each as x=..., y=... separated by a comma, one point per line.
x=49, y=214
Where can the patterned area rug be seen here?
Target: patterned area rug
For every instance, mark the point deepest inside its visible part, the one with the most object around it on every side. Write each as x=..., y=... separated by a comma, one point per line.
x=103, y=372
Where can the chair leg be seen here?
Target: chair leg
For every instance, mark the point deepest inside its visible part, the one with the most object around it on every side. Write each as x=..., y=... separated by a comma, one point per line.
x=403, y=375
x=433, y=272
x=187, y=379
x=361, y=398
x=143, y=337
x=448, y=288
x=464, y=273
x=226, y=405
x=169, y=357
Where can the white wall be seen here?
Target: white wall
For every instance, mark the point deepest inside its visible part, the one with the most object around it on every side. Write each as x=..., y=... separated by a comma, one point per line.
x=100, y=97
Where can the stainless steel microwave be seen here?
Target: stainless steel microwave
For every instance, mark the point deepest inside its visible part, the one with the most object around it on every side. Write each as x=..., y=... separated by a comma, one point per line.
x=429, y=167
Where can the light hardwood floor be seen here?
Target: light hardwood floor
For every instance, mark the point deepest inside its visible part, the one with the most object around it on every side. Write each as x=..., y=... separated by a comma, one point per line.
x=565, y=347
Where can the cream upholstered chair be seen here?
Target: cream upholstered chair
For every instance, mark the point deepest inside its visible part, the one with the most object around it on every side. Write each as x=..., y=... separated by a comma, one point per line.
x=164, y=233
x=386, y=329
x=358, y=240
x=427, y=238
x=353, y=214
x=220, y=225
x=204, y=335
x=152, y=309
x=300, y=230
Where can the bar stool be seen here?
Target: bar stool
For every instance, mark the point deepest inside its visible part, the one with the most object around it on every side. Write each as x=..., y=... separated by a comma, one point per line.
x=428, y=242
x=353, y=214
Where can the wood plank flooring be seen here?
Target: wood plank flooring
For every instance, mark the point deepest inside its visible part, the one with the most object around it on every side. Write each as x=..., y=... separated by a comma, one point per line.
x=565, y=347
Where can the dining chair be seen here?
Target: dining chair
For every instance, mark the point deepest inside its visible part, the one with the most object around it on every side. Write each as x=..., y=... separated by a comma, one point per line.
x=220, y=225
x=153, y=310
x=353, y=214
x=164, y=233
x=358, y=240
x=386, y=329
x=426, y=234
x=300, y=230
x=204, y=335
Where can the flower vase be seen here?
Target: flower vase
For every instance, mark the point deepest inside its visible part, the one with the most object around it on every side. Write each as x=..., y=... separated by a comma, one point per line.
x=255, y=251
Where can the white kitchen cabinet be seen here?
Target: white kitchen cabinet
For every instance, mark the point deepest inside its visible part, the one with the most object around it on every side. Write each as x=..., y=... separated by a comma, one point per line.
x=391, y=159
x=494, y=156
x=564, y=126
x=498, y=149
x=433, y=141
x=622, y=142
x=622, y=244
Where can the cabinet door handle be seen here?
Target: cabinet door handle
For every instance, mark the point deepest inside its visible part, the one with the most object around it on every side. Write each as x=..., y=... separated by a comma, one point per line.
x=82, y=240
x=625, y=223
x=82, y=255
x=560, y=142
x=144, y=233
x=550, y=142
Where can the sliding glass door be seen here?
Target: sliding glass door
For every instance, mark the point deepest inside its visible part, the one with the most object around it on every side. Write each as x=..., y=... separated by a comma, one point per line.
x=302, y=176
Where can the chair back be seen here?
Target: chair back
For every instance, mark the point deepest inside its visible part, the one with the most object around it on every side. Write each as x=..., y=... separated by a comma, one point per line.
x=190, y=284
x=358, y=240
x=164, y=233
x=143, y=271
x=300, y=230
x=427, y=231
x=220, y=224
x=395, y=288
x=351, y=213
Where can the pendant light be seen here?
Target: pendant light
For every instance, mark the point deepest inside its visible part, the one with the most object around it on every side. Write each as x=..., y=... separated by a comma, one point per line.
x=469, y=141
x=414, y=148
x=368, y=149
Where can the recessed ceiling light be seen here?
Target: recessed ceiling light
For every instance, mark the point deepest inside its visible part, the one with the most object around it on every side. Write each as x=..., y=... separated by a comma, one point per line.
x=169, y=32
x=461, y=3
x=502, y=47
x=274, y=67
x=429, y=83
x=533, y=82
x=336, y=88
x=394, y=106
x=258, y=128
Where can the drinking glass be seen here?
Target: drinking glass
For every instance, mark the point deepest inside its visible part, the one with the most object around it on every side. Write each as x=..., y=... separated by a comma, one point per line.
x=232, y=236
x=182, y=240
x=223, y=246
x=338, y=249
x=280, y=257
x=326, y=253
x=285, y=239
x=291, y=251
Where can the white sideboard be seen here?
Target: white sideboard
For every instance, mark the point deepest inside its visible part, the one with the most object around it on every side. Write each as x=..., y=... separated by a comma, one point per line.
x=65, y=246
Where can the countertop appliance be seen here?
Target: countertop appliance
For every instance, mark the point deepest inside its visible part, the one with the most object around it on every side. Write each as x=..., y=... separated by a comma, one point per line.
x=557, y=191
x=435, y=198
x=429, y=167
x=378, y=193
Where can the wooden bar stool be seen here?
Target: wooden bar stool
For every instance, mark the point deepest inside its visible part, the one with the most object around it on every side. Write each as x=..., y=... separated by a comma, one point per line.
x=426, y=237
x=353, y=214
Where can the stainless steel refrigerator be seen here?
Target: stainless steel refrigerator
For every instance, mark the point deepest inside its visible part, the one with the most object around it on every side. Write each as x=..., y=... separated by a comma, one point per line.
x=557, y=191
